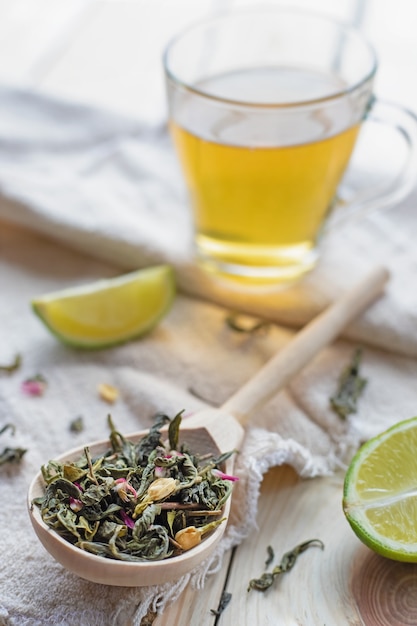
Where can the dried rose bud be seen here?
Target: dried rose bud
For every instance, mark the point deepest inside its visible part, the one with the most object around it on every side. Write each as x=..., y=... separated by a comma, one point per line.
x=158, y=490
x=188, y=537
x=162, y=488
x=123, y=487
x=108, y=393
x=35, y=386
x=191, y=536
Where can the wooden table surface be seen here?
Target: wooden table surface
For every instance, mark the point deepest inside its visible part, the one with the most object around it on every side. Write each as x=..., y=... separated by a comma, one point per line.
x=344, y=584
x=107, y=52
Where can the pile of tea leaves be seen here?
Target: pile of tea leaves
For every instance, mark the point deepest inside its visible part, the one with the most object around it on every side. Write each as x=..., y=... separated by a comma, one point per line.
x=139, y=501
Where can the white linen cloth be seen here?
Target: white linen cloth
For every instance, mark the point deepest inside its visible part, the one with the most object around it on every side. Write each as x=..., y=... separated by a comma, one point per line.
x=110, y=187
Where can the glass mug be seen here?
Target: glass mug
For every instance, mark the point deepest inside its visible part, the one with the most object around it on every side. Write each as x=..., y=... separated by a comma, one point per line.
x=265, y=109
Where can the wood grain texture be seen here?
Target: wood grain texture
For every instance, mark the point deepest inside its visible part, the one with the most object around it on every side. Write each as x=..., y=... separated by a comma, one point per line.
x=194, y=606
x=305, y=345
x=385, y=591
x=345, y=584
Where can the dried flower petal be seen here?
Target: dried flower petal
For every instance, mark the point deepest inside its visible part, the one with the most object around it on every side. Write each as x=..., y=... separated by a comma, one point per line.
x=108, y=393
x=173, y=453
x=123, y=487
x=75, y=505
x=126, y=519
x=35, y=386
x=223, y=476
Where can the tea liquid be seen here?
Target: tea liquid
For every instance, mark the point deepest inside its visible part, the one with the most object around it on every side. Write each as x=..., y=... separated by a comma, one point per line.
x=261, y=185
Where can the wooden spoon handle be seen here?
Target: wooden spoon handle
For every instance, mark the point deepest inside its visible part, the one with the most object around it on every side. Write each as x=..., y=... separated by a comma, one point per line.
x=306, y=344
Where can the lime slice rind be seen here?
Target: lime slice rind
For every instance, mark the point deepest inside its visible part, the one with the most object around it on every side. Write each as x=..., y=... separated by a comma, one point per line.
x=380, y=492
x=108, y=312
x=381, y=544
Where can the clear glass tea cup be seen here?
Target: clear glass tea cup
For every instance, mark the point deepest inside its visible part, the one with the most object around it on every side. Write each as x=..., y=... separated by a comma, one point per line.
x=265, y=108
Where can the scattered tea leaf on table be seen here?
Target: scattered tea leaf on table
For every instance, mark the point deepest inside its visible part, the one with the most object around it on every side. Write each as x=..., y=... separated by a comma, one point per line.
x=351, y=385
x=34, y=386
x=11, y=455
x=245, y=324
x=270, y=557
x=77, y=424
x=13, y=366
x=224, y=601
x=287, y=563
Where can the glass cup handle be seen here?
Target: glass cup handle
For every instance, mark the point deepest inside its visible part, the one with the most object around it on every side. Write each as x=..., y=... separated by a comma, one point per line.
x=404, y=122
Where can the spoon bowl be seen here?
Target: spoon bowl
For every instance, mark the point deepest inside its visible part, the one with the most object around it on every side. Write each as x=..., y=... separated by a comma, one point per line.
x=208, y=431
x=225, y=434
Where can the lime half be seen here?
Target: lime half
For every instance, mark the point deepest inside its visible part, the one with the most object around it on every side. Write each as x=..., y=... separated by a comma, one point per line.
x=380, y=492
x=108, y=312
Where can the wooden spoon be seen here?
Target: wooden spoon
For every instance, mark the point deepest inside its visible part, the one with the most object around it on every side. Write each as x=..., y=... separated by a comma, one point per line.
x=214, y=431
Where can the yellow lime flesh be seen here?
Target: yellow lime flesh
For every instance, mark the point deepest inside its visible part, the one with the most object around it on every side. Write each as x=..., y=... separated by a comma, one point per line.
x=109, y=311
x=380, y=492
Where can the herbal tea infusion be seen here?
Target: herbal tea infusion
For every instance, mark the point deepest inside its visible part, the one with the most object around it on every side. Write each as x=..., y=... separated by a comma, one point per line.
x=255, y=202
x=265, y=107
x=140, y=501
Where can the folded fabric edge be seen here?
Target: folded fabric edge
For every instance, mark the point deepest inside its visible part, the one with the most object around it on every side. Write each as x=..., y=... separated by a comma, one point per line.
x=193, y=282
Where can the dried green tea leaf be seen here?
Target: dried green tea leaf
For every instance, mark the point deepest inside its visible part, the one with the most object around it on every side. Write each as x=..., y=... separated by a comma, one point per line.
x=351, y=385
x=77, y=424
x=65, y=486
x=72, y=472
x=270, y=557
x=222, y=458
x=130, y=502
x=11, y=455
x=245, y=324
x=13, y=366
x=287, y=563
x=224, y=601
x=171, y=515
x=263, y=583
x=174, y=429
x=289, y=558
x=8, y=427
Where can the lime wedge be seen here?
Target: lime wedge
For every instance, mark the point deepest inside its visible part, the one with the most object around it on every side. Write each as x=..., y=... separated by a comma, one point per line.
x=108, y=312
x=380, y=492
